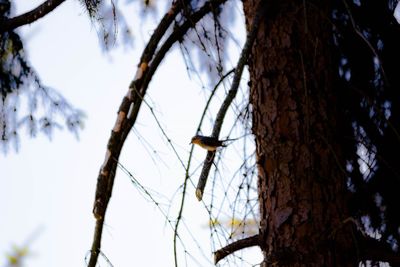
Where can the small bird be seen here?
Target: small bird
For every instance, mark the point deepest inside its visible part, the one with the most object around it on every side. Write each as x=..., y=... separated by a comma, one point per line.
x=207, y=142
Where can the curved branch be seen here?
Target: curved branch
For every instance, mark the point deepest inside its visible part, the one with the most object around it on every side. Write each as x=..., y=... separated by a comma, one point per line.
x=130, y=107
x=235, y=246
x=187, y=176
x=31, y=16
x=251, y=35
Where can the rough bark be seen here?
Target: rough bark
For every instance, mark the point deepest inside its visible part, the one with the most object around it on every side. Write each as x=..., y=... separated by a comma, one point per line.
x=302, y=183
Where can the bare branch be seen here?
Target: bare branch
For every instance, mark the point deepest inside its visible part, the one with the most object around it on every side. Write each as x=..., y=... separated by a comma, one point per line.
x=95, y=250
x=122, y=127
x=31, y=16
x=235, y=246
x=130, y=106
x=251, y=35
x=187, y=176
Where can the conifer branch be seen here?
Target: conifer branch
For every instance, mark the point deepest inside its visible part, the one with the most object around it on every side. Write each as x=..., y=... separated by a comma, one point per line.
x=125, y=120
x=251, y=35
x=130, y=107
x=29, y=17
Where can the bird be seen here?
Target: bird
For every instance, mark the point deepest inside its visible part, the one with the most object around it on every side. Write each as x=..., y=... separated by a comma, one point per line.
x=211, y=144
x=208, y=142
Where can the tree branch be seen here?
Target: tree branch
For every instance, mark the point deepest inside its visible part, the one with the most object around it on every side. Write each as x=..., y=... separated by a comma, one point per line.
x=180, y=212
x=130, y=107
x=94, y=252
x=31, y=16
x=235, y=246
x=126, y=118
x=251, y=35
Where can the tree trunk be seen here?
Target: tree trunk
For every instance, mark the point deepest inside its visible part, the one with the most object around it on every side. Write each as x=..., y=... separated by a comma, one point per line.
x=302, y=181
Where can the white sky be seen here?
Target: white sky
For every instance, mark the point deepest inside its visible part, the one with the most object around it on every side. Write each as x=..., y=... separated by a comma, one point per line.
x=48, y=186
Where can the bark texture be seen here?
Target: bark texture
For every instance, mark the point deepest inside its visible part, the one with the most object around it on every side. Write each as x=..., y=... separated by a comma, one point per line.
x=302, y=182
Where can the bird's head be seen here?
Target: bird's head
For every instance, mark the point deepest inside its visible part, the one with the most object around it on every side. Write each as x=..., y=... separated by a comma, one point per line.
x=196, y=139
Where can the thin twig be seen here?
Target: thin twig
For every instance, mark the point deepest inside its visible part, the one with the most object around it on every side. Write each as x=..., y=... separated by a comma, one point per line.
x=163, y=132
x=29, y=17
x=187, y=175
x=367, y=42
x=122, y=127
x=212, y=95
x=229, y=98
x=146, y=193
x=130, y=106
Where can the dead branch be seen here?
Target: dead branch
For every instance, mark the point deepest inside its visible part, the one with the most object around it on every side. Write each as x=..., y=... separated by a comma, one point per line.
x=29, y=17
x=130, y=106
x=187, y=176
x=126, y=118
x=251, y=35
x=235, y=246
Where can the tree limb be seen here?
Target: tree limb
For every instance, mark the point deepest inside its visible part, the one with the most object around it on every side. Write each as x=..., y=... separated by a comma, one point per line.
x=130, y=107
x=29, y=17
x=124, y=123
x=187, y=175
x=235, y=246
x=251, y=35
x=94, y=252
